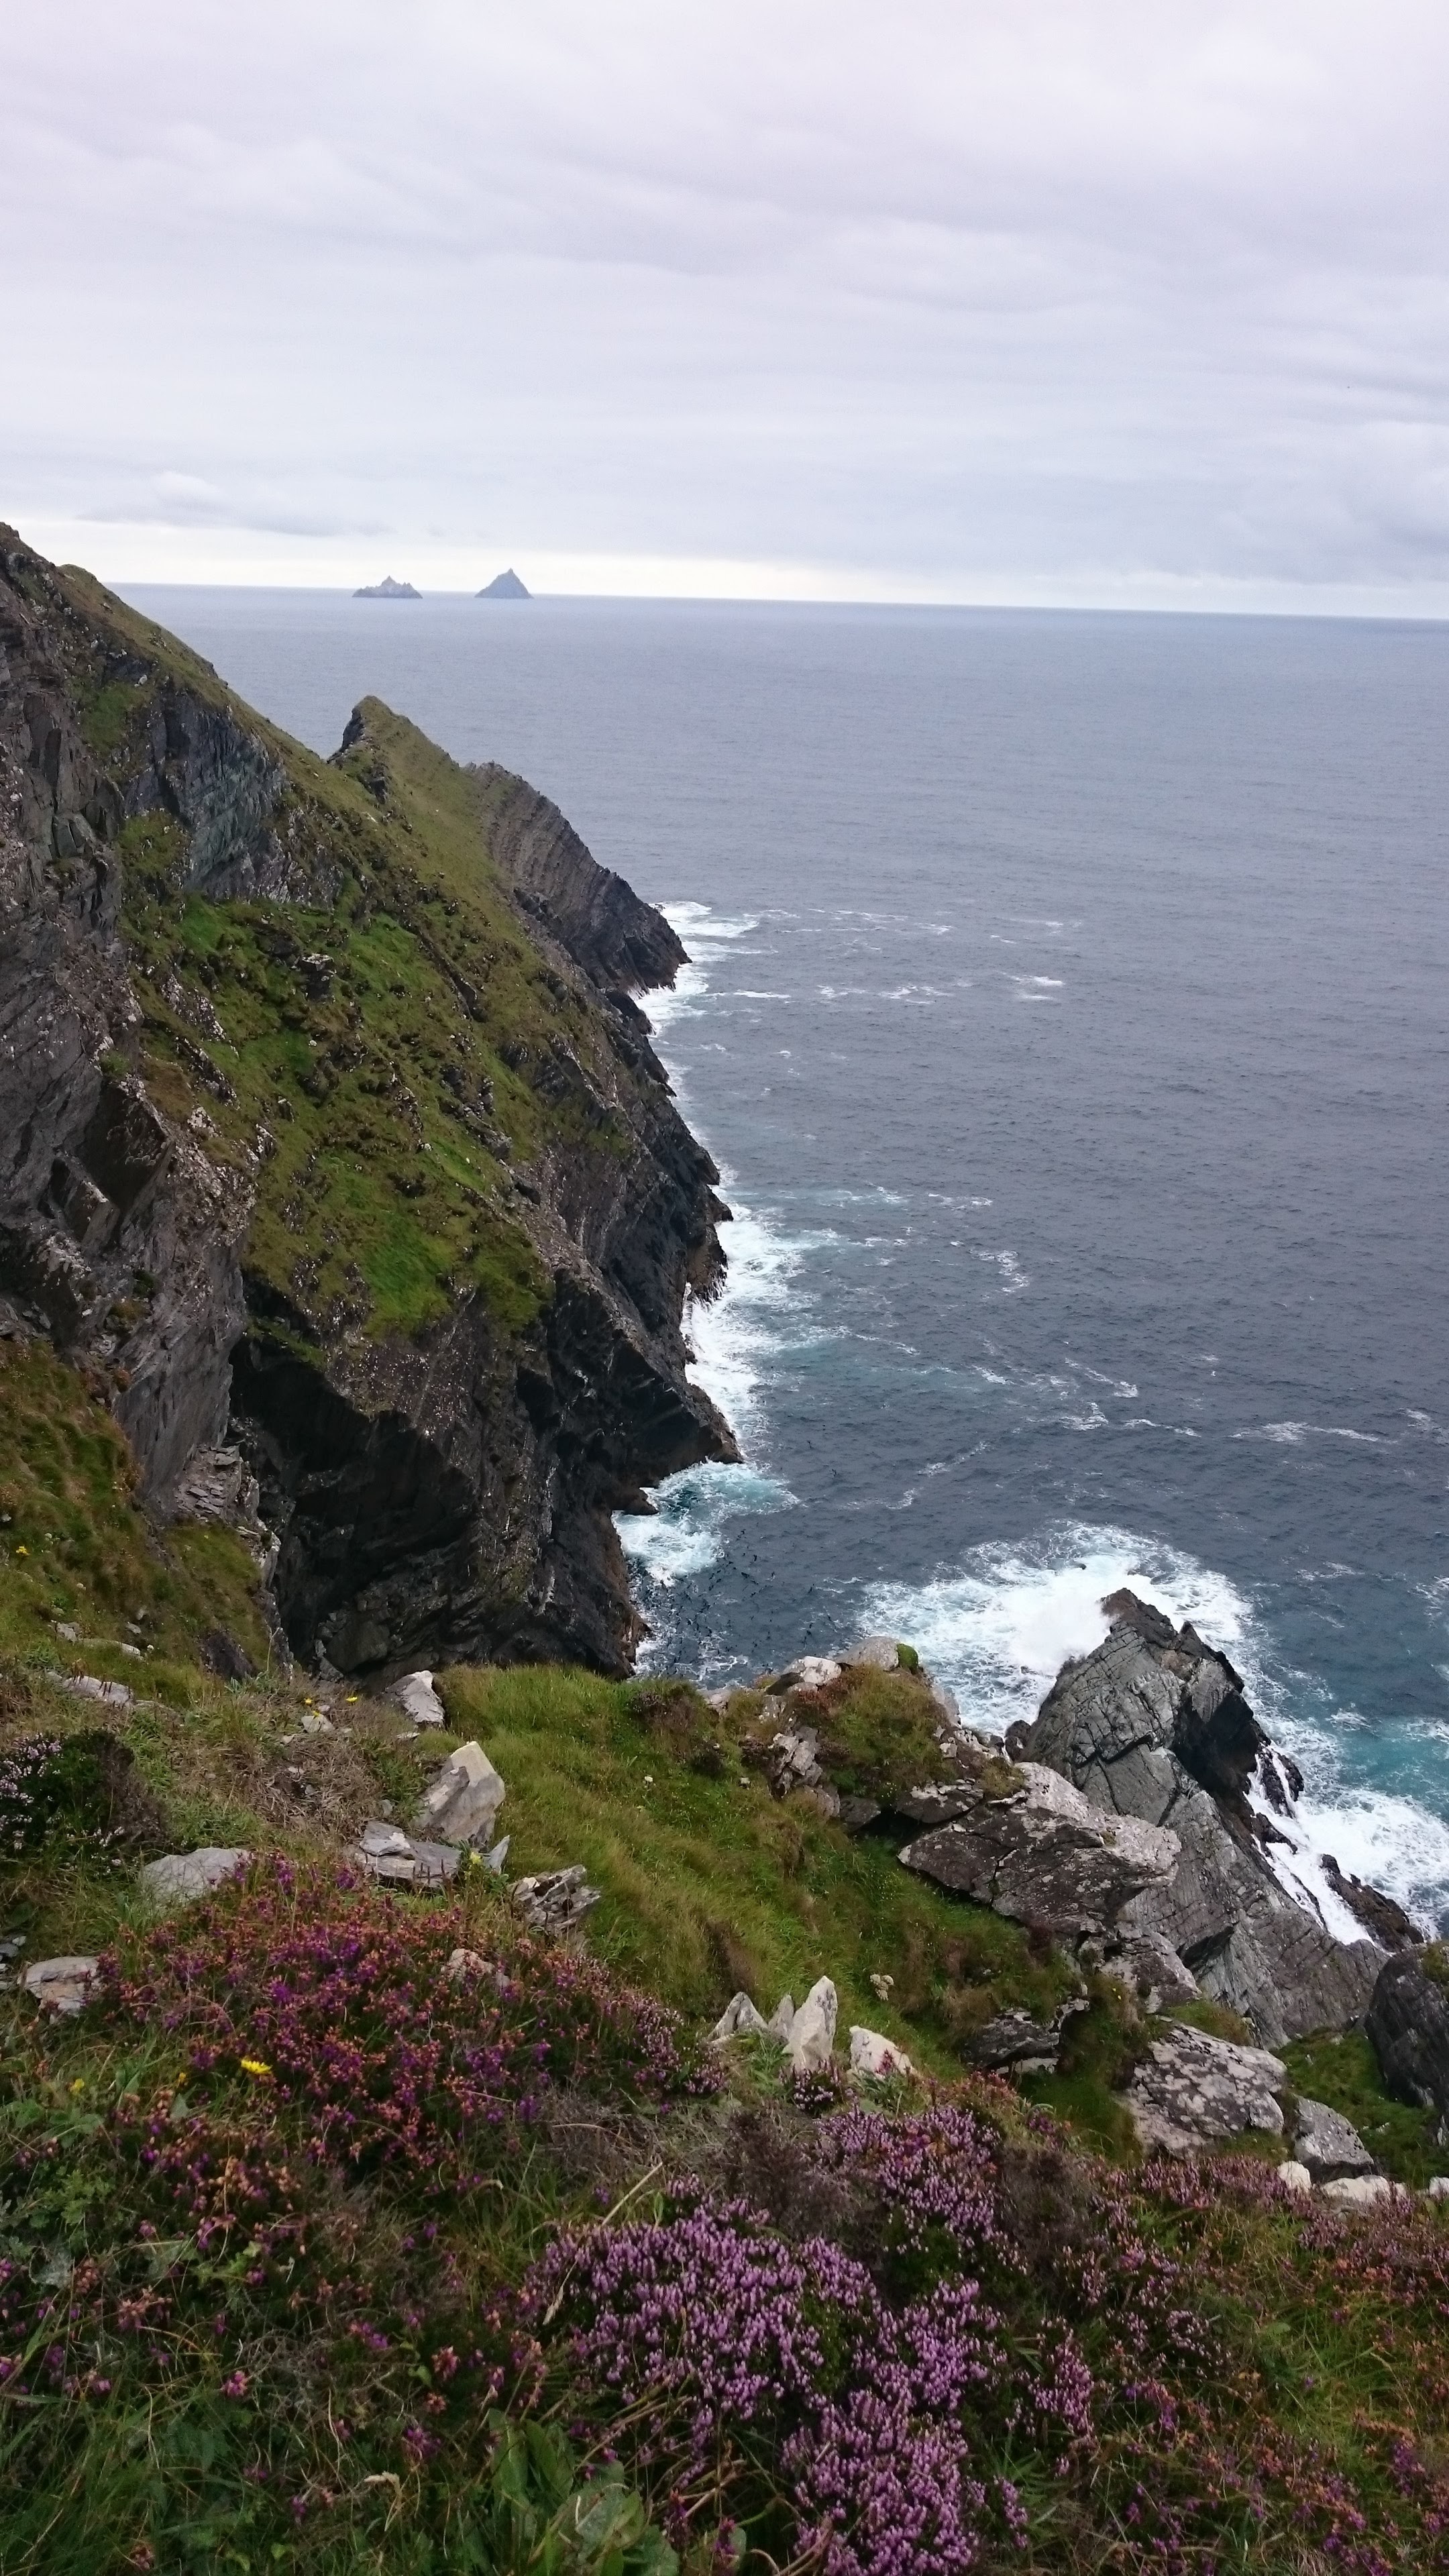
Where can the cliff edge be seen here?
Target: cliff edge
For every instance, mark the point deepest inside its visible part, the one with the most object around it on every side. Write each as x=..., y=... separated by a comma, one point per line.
x=334, y=1148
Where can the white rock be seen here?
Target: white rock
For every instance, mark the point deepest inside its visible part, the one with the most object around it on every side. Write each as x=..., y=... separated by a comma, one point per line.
x=812, y=1672
x=1192, y=2091
x=1295, y=2177
x=782, y=2016
x=881, y=1654
x=739, y=2020
x=812, y=2031
x=1438, y=2188
x=86, y=1686
x=461, y=1803
x=465, y=1963
x=871, y=2053
x=180, y=1876
x=415, y=1695
x=61, y=1985
x=1357, y=2191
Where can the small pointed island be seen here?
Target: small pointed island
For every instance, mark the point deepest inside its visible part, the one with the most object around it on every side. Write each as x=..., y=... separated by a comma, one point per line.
x=387, y=588
x=505, y=585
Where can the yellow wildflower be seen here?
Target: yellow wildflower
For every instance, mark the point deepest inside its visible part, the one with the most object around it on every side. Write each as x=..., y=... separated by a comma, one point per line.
x=22, y=1551
x=79, y=2085
x=255, y=2066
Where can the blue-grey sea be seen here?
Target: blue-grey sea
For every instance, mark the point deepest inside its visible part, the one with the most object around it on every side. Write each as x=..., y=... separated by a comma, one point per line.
x=1068, y=1017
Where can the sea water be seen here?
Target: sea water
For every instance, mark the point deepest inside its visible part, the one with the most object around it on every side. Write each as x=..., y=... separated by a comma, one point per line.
x=1067, y=1015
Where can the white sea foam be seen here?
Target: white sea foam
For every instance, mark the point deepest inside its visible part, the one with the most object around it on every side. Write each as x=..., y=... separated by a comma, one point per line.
x=1289, y=1435
x=998, y=1632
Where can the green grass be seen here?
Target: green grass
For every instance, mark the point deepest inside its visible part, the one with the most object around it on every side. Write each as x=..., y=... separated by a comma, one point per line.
x=1341, y=2070
x=710, y=1885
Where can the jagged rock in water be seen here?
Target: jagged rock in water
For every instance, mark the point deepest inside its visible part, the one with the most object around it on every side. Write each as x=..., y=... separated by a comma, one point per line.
x=1192, y=2091
x=178, y=1878
x=438, y=1455
x=1031, y=1846
x=1382, y=1917
x=1408, y=2027
x=387, y=588
x=1154, y=1725
x=1328, y=2144
x=504, y=585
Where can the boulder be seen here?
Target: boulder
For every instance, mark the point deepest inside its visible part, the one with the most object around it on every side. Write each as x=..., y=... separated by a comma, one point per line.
x=1148, y=1963
x=811, y=1672
x=879, y=1654
x=86, y=1686
x=461, y=1803
x=1295, y=2177
x=1360, y=2191
x=1192, y=2091
x=780, y=2019
x=811, y=2042
x=1015, y=2039
x=556, y=1900
x=1328, y=2144
x=741, y=2019
x=1027, y=1843
x=397, y=1859
x=61, y=1985
x=1437, y=2188
x=1154, y=1725
x=876, y=2057
x=418, y=1700
x=1408, y=2026
x=178, y=1877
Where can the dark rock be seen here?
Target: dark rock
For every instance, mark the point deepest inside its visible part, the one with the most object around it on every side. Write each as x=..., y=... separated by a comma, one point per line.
x=1014, y=2039
x=1408, y=2025
x=617, y=939
x=221, y=1654
x=1382, y=1918
x=1155, y=1725
x=1034, y=1849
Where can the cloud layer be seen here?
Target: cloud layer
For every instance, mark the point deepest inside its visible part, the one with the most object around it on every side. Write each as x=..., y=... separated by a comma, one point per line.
x=1147, y=300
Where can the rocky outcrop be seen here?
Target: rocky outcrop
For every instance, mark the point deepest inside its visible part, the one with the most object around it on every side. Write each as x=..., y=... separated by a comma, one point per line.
x=1408, y=2027
x=1022, y=1840
x=1154, y=1726
x=1191, y=2091
x=434, y=1414
x=622, y=944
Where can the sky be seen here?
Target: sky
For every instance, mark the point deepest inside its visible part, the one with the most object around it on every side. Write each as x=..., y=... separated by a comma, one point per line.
x=1080, y=302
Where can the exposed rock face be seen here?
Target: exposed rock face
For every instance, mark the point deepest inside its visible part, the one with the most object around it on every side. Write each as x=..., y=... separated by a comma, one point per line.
x=1154, y=1725
x=439, y=1486
x=1032, y=1847
x=1408, y=2025
x=1192, y=2091
x=622, y=944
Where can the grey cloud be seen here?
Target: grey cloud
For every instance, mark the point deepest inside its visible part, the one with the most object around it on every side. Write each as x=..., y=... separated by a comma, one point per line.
x=939, y=293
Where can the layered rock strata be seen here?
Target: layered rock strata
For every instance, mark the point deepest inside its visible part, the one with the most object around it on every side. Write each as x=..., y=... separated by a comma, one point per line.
x=1154, y=1726
x=332, y=1145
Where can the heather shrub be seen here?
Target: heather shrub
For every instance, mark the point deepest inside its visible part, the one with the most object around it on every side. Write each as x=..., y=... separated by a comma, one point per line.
x=343, y=2008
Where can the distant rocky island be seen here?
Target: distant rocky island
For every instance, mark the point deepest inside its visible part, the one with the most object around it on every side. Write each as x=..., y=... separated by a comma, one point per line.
x=505, y=585
x=387, y=588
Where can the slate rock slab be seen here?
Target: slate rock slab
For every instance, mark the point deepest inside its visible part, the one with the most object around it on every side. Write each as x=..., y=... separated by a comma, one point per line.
x=1192, y=2091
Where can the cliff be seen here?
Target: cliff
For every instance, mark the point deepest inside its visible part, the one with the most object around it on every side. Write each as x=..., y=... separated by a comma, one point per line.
x=332, y=1136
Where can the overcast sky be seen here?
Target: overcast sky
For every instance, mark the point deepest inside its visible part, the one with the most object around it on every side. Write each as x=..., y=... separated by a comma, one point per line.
x=1138, y=301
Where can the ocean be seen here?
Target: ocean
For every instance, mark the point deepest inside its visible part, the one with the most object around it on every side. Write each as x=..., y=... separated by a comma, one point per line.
x=1067, y=1014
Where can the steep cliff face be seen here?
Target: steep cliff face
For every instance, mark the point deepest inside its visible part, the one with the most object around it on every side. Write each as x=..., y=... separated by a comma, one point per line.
x=329, y=1128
